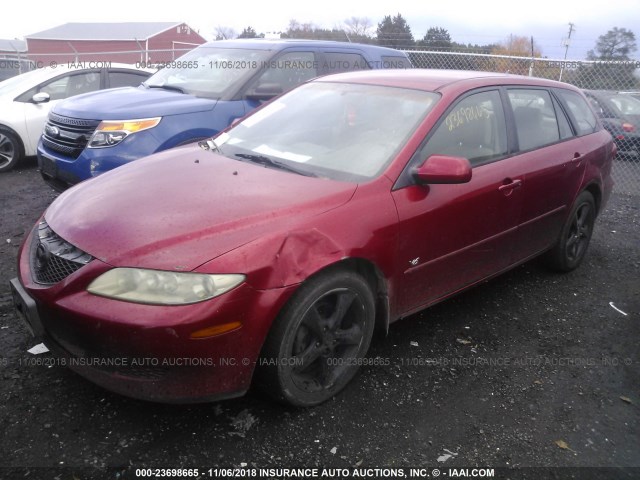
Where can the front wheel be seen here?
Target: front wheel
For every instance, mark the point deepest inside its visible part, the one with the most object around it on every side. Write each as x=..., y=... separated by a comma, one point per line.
x=574, y=239
x=319, y=340
x=11, y=151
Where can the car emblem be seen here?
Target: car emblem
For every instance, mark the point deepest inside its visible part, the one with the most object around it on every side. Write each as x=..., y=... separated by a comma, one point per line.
x=43, y=256
x=51, y=131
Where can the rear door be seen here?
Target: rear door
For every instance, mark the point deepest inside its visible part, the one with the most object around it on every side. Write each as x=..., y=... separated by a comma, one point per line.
x=553, y=160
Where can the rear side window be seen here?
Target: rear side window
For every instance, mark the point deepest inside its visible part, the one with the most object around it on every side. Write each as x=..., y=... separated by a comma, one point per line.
x=582, y=117
x=474, y=128
x=535, y=118
x=343, y=62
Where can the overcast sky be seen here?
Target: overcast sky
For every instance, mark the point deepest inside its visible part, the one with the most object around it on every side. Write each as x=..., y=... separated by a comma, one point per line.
x=474, y=21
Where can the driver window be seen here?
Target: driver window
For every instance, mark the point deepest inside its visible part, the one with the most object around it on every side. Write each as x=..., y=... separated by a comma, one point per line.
x=474, y=129
x=70, y=85
x=289, y=70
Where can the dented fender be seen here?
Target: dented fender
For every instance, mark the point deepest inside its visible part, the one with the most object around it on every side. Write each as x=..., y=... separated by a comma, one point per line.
x=286, y=258
x=278, y=261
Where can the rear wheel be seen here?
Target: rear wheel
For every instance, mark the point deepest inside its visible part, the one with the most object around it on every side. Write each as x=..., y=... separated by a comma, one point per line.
x=319, y=340
x=11, y=151
x=574, y=239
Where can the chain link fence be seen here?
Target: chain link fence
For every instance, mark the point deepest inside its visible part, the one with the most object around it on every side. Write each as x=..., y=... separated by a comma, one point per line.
x=612, y=87
x=132, y=57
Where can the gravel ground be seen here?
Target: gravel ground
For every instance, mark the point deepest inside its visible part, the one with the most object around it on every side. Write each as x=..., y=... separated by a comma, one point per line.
x=531, y=369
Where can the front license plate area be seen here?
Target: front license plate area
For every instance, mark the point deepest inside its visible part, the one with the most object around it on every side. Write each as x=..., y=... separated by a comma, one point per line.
x=26, y=308
x=48, y=167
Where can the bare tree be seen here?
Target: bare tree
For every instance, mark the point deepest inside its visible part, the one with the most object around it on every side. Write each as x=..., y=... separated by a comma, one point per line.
x=225, y=33
x=359, y=26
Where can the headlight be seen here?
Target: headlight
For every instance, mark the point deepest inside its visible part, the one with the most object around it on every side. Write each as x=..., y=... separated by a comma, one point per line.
x=111, y=132
x=162, y=288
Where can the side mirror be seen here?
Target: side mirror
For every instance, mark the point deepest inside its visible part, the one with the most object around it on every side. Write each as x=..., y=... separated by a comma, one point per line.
x=42, y=97
x=265, y=91
x=443, y=169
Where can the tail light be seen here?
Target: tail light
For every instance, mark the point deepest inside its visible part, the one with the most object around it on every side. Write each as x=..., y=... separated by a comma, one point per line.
x=628, y=127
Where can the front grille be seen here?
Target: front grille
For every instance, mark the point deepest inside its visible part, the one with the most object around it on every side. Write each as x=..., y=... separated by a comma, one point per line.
x=52, y=258
x=58, y=147
x=67, y=135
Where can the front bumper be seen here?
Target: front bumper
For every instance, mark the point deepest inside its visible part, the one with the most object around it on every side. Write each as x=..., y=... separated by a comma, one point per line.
x=62, y=172
x=147, y=351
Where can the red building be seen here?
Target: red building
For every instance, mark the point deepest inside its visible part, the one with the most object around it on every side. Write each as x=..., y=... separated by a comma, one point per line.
x=126, y=42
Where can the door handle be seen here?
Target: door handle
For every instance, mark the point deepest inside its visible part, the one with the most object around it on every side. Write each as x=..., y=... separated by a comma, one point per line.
x=507, y=188
x=577, y=158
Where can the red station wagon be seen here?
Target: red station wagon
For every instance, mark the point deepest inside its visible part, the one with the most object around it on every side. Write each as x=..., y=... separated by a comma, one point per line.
x=272, y=252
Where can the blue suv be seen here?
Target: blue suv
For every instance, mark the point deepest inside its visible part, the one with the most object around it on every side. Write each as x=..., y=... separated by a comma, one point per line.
x=189, y=99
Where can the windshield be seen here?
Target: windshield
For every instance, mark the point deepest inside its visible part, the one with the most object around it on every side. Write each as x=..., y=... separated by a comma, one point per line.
x=345, y=132
x=208, y=71
x=626, y=104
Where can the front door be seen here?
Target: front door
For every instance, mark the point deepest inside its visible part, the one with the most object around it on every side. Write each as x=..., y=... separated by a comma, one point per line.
x=454, y=235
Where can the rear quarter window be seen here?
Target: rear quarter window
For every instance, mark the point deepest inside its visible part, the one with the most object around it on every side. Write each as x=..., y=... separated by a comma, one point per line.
x=582, y=117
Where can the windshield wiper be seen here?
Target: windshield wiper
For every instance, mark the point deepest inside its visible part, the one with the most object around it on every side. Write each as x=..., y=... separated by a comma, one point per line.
x=166, y=87
x=270, y=162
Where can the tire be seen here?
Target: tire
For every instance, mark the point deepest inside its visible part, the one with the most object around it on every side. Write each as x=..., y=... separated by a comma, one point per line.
x=574, y=239
x=318, y=341
x=11, y=150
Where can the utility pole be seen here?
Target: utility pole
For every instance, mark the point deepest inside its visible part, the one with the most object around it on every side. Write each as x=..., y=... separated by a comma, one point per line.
x=566, y=49
x=532, y=57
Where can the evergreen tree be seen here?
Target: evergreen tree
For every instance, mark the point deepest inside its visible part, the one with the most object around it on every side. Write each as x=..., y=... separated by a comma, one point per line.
x=395, y=32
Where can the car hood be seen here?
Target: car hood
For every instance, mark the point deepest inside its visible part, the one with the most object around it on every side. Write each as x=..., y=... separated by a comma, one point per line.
x=181, y=208
x=131, y=102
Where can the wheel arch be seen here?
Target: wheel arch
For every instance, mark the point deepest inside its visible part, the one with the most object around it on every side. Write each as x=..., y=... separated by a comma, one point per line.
x=178, y=138
x=376, y=281
x=19, y=152
x=12, y=131
x=596, y=192
x=271, y=377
